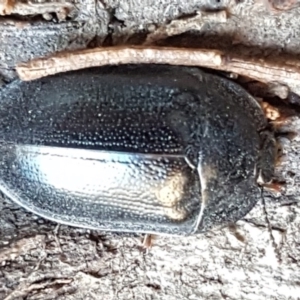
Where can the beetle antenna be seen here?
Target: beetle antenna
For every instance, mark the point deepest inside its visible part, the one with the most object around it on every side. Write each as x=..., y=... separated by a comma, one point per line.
x=263, y=200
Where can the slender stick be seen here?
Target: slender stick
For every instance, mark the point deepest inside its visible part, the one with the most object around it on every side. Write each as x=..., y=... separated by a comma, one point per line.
x=287, y=73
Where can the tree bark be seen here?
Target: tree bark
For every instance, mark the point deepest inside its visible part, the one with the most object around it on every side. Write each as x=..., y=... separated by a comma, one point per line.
x=258, y=258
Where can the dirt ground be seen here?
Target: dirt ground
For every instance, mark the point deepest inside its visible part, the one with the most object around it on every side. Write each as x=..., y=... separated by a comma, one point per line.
x=259, y=258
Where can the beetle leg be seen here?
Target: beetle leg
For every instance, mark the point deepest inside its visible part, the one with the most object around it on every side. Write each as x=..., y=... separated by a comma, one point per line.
x=148, y=241
x=265, y=168
x=274, y=187
x=279, y=154
x=265, y=165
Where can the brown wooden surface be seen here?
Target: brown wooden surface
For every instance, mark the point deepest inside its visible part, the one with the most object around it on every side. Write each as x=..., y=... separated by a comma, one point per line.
x=40, y=260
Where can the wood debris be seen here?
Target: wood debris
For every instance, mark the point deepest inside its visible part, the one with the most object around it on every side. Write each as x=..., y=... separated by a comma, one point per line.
x=279, y=90
x=183, y=25
x=67, y=61
x=6, y=7
x=262, y=70
x=271, y=112
x=278, y=6
x=60, y=8
x=20, y=247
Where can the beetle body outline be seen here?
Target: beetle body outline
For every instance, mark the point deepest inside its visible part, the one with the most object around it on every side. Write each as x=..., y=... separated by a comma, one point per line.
x=200, y=136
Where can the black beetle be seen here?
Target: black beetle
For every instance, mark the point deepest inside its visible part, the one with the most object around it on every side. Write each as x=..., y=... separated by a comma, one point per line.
x=144, y=148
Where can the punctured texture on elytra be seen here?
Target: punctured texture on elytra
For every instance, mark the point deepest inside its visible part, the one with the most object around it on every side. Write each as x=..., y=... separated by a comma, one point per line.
x=154, y=149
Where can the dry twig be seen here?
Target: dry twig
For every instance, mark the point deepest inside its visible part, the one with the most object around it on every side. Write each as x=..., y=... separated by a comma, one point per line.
x=282, y=73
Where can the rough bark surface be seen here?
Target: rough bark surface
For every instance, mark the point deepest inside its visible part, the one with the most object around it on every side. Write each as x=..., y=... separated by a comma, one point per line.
x=259, y=258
